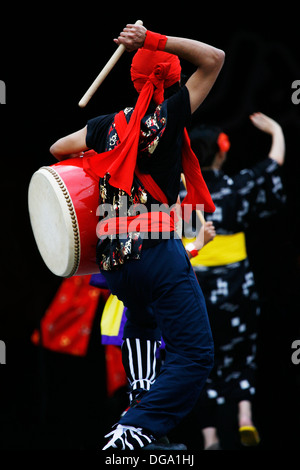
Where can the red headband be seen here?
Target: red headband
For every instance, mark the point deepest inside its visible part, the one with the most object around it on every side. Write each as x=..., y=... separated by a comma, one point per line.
x=161, y=68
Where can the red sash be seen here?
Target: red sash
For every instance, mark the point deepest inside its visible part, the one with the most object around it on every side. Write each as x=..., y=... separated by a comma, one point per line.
x=151, y=222
x=146, y=179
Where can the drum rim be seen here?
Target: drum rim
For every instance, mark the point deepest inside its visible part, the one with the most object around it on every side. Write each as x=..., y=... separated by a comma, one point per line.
x=73, y=217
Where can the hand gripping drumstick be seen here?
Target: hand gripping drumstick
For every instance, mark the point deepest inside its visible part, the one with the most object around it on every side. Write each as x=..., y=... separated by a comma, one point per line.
x=104, y=72
x=199, y=213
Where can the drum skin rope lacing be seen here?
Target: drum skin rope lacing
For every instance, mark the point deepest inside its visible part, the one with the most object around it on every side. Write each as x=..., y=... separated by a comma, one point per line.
x=73, y=218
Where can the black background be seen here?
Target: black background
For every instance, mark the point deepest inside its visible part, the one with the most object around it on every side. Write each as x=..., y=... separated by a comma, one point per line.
x=48, y=59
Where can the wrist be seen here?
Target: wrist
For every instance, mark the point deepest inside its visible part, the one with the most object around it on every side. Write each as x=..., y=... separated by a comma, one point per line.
x=190, y=247
x=154, y=41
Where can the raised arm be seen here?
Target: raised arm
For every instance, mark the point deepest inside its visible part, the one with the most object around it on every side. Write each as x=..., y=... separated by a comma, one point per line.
x=268, y=125
x=208, y=59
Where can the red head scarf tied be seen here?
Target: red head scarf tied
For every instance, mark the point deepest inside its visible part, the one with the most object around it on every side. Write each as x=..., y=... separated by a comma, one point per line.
x=149, y=76
x=160, y=68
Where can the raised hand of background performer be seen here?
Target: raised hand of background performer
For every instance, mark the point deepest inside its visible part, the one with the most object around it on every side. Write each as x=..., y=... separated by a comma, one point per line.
x=268, y=125
x=206, y=234
x=263, y=122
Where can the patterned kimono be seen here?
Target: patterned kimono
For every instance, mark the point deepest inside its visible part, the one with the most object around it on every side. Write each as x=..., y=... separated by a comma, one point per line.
x=229, y=288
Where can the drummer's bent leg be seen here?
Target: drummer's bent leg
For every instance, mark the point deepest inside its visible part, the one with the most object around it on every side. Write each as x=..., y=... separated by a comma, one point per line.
x=181, y=315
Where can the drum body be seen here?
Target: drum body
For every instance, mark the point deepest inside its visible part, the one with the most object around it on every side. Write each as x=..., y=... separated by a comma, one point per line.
x=62, y=202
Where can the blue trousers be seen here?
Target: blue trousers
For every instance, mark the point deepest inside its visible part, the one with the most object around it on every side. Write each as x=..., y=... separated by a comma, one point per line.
x=163, y=298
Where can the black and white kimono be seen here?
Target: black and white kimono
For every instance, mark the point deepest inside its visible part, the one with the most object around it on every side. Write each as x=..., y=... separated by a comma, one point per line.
x=229, y=290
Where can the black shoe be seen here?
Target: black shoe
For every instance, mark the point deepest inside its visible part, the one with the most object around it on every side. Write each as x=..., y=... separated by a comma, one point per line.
x=163, y=440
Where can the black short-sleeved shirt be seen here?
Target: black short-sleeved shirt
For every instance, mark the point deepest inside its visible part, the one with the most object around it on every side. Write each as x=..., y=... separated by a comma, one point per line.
x=166, y=125
x=159, y=154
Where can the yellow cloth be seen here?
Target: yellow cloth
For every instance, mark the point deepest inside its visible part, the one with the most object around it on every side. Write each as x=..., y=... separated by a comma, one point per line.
x=223, y=249
x=112, y=316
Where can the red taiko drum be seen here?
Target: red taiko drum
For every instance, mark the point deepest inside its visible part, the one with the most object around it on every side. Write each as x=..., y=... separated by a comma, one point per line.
x=62, y=202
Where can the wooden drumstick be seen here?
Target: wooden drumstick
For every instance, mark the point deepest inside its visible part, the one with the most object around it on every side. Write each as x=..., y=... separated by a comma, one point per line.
x=104, y=72
x=199, y=213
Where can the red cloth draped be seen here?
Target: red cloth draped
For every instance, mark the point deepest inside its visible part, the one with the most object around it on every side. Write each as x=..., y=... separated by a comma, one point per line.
x=67, y=323
x=115, y=373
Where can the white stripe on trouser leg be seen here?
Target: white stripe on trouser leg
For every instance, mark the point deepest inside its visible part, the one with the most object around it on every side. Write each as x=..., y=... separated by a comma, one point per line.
x=148, y=363
x=152, y=378
x=139, y=363
x=130, y=359
x=131, y=368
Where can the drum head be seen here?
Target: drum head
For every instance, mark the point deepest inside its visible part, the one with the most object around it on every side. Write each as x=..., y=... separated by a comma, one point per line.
x=54, y=222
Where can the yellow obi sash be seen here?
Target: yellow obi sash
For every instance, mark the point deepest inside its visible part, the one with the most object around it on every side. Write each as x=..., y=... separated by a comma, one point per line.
x=223, y=249
x=112, y=321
